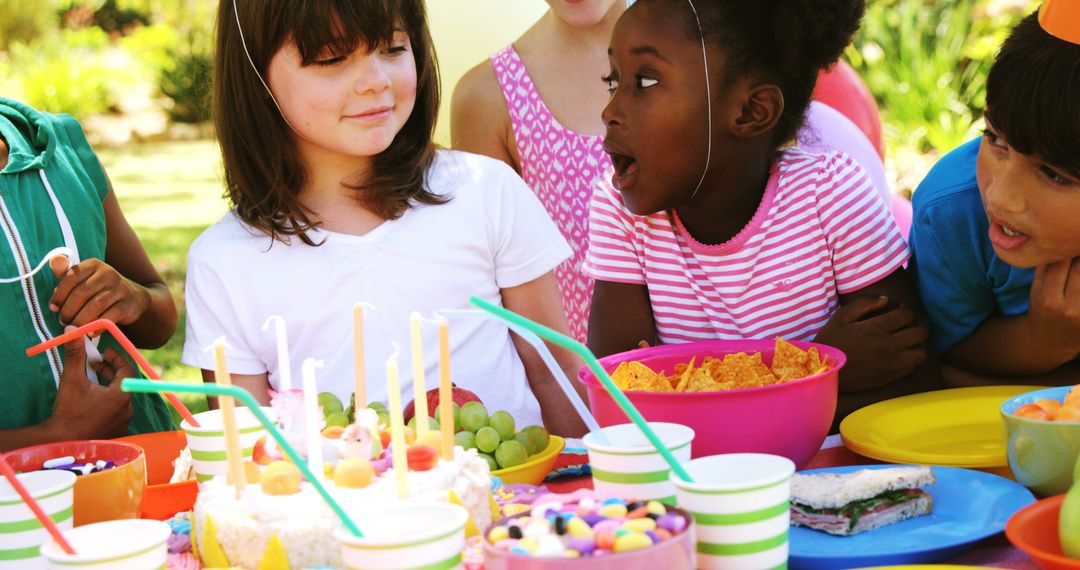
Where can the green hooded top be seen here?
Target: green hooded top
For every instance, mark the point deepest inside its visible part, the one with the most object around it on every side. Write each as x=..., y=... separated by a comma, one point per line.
x=49, y=159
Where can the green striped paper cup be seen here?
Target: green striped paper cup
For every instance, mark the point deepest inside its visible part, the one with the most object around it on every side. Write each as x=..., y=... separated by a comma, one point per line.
x=21, y=534
x=125, y=544
x=741, y=506
x=630, y=467
x=409, y=536
x=207, y=442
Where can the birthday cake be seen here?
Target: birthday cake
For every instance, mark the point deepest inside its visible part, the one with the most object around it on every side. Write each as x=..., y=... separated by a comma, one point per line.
x=261, y=527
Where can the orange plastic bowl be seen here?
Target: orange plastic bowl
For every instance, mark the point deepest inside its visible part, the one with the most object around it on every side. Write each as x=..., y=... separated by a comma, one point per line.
x=789, y=419
x=112, y=494
x=1034, y=529
x=162, y=499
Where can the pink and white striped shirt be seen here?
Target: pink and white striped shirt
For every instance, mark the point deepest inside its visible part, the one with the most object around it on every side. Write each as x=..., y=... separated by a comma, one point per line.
x=820, y=231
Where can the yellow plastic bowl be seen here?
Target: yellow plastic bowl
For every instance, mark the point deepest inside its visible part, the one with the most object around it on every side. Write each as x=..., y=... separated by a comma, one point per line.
x=533, y=471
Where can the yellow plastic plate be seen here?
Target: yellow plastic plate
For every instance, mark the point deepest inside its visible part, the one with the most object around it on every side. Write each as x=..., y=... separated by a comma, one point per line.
x=533, y=471
x=959, y=427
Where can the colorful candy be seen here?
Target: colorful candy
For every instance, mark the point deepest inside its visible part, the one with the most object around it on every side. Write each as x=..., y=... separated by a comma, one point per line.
x=68, y=463
x=552, y=529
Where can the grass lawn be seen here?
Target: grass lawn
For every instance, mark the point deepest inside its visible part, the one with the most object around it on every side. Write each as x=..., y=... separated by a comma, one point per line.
x=170, y=192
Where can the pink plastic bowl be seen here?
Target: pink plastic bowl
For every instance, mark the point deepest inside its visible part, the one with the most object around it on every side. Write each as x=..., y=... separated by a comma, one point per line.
x=790, y=419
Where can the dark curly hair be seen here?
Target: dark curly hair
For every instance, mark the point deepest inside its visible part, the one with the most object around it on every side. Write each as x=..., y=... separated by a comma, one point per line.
x=788, y=41
x=263, y=170
x=1033, y=95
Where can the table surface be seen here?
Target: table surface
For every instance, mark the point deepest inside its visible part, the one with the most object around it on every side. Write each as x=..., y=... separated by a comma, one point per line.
x=993, y=552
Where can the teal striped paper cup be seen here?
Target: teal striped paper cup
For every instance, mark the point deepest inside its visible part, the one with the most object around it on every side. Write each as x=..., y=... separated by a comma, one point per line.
x=409, y=536
x=125, y=544
x=741, y=506
x=21, y=533
x=207, y=442
x=629, y=467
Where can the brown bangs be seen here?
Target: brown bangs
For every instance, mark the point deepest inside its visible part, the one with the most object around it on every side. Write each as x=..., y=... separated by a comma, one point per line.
x=263, y=170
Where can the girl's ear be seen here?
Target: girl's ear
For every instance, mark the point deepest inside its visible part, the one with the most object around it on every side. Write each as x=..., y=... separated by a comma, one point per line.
x=761, y=109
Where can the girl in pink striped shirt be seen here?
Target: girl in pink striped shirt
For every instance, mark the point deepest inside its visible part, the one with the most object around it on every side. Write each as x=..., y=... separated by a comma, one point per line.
x=709, y=229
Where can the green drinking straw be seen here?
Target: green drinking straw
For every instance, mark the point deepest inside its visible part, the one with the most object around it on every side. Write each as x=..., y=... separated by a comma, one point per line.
x=147, y=386
x=590, y=359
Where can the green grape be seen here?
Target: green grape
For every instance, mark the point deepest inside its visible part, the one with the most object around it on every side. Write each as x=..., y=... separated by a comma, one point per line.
x=337, y=419
x=492, y=464
x=455, y=412
x=432, y=423
x=473, y=416
x=330, y=404
x=487, y=439
x=503, y=423
x=466, y=439
x=510, y=454
x=540, y=435
x=526, y=438
x=377, y=406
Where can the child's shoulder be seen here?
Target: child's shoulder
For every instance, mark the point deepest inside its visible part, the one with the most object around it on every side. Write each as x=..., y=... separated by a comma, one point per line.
x=456, y=170
x=227, y=239
x=950, y=180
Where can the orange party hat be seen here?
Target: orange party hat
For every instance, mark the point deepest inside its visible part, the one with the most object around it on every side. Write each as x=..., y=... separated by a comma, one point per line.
x=1061, y=19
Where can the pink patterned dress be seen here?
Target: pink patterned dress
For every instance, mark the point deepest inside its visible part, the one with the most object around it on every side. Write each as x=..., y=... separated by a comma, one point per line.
x=560, y=165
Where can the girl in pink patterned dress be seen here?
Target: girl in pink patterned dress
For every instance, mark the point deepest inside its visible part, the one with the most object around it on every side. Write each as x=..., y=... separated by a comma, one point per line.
x=536, y=106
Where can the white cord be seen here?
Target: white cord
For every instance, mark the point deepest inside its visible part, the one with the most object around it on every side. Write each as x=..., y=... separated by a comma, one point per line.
x=60, y=251
x=247, y=53
x=708, y=99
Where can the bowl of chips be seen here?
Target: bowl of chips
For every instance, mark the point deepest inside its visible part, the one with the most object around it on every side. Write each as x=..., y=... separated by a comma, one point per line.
x=739, y=396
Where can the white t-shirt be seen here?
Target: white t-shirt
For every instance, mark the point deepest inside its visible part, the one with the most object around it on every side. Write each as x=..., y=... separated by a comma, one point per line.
x=492, y=234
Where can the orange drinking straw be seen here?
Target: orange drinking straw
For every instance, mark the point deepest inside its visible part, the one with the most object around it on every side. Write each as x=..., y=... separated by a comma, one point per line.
x=106, y=324
x=1061, y=19
x=34, y=506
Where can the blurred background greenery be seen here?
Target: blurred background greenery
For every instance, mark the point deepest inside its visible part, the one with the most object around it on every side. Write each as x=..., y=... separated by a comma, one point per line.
x=137, y=73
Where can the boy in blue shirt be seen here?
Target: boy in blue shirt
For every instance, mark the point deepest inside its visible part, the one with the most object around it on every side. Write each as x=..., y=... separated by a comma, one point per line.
x=996, y=230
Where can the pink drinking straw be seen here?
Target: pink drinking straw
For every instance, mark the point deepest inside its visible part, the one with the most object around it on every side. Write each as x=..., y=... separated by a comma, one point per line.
x=106, y=324
x=34, y=506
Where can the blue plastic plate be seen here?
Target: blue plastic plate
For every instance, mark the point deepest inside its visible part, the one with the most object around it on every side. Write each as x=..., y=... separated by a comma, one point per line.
x=968, y=506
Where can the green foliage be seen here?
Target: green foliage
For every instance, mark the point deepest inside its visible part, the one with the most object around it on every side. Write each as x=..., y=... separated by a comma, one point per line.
x=188, y=85
x=23, y=21
x=926, y=62
x=153, y=46
x=67, y=72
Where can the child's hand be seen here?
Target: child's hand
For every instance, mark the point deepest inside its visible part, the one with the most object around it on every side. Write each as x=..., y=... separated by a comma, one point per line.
x=1054, y=314
x=94, y=290
x=84, y=410
x=881, y=343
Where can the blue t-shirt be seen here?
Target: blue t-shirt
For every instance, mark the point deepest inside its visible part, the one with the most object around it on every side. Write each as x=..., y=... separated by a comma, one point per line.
x=961, y=281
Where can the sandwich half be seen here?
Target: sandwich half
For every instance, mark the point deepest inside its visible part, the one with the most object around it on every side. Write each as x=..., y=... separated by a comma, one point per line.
x=849, y=503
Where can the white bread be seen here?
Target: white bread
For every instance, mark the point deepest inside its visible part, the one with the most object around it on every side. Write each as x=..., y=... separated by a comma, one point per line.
x=834, y=490
x=896, y=513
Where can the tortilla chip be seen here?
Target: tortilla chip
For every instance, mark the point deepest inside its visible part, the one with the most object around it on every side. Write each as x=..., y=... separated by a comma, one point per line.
x=700, y=381
x=788, y=355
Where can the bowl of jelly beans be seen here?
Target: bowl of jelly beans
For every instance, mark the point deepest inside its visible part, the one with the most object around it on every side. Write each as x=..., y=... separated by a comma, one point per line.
x=584, y=530
x=111, y=475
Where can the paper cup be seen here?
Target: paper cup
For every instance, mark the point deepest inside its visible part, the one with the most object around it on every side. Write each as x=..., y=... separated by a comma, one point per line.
x=21, y=534
x=629, y=465
x=207, y=442
x=741, y=506
x=130, y=544
x=407, y=536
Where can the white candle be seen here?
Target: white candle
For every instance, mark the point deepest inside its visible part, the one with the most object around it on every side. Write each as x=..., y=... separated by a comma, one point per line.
x=397, y=425
x=284, y=370
x=419, y=384
x=313, y=418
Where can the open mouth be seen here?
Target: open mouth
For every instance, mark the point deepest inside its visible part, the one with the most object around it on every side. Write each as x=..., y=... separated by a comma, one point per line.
x=625, y=169
x=1005, y=236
